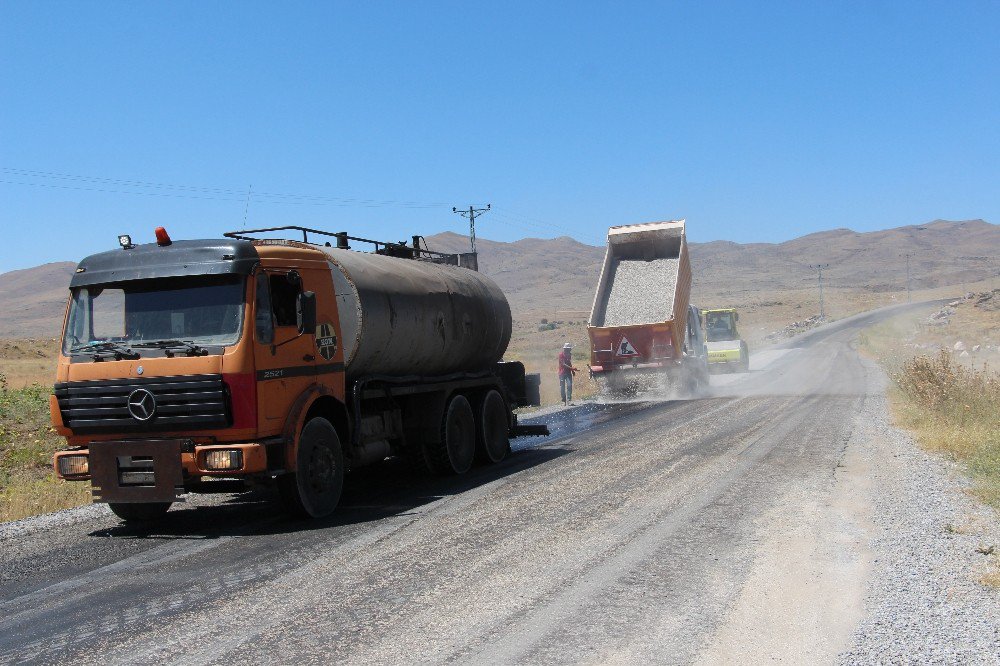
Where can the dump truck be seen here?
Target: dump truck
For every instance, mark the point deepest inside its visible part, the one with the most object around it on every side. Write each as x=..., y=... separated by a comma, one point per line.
x=642, y=323
x=727, y=352
x=217, y=365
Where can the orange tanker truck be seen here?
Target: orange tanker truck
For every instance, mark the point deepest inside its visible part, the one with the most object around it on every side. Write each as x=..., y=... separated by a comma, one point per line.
x=642, y=327
x=214, y=365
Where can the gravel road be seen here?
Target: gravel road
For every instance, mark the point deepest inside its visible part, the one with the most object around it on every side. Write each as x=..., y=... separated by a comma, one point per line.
x=780, y=519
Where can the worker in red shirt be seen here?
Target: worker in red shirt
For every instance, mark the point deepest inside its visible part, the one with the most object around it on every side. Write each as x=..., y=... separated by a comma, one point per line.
x=566, y=372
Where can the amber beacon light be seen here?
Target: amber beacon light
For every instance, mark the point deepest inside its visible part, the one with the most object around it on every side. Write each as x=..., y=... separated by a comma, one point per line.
x=162, y=237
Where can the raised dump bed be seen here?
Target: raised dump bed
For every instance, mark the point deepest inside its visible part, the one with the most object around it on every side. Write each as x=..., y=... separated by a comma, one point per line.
x=640, y=311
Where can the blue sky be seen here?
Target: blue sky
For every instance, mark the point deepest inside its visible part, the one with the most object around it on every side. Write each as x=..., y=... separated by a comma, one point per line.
x=755, y=121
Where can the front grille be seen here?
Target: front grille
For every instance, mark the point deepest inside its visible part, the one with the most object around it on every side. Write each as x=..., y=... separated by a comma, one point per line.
x=187, y=402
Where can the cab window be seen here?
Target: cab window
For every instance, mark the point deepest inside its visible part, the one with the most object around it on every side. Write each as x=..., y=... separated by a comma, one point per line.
x=284, y=293
x=262, y=311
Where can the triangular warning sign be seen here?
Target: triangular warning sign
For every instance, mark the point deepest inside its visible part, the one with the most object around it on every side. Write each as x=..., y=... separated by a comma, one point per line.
x=625, y=348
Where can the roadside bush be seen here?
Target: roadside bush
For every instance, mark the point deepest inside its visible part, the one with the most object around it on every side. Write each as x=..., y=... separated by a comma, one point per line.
x=27, y=441
x=956, y=410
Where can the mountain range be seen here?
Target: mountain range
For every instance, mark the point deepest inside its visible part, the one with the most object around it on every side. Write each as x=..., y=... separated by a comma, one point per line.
x=560, y=274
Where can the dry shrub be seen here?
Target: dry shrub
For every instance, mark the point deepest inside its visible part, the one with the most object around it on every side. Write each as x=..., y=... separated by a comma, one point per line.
x=955, y=409
x=28, y=485
x=991, y=578
x=29, y=494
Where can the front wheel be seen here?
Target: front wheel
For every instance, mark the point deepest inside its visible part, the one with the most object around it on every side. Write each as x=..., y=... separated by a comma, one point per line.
x=313, y=490
x=139, y=512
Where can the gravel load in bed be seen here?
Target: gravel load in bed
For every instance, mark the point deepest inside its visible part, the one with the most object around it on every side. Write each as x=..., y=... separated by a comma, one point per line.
x=641, y=292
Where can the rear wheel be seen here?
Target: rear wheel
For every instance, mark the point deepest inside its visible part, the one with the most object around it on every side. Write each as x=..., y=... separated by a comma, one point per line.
x=313, y=490
x=141, y=512
x=455, y=450
x=492, y=441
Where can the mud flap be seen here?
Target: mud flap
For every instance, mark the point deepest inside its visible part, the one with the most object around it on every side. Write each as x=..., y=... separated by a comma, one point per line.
x=137, y=471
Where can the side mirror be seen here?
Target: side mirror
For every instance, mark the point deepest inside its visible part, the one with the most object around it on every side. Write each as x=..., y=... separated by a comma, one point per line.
x=305, y=312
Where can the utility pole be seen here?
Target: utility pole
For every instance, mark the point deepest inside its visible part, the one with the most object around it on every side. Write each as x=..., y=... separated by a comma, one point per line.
x=820, y=267
x=471, y=214
x=909, y=298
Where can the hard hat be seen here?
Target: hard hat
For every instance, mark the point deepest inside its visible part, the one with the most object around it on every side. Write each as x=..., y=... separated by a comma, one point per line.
x=567, y=346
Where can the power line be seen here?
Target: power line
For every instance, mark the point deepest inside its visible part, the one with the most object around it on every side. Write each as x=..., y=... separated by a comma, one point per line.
x=471, y=215
x=90, y=183
x=535, y=222
x=197, y=192
x=530, y=225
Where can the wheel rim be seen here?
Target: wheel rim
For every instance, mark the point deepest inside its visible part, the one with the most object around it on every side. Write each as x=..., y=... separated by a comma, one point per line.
x=322, y=470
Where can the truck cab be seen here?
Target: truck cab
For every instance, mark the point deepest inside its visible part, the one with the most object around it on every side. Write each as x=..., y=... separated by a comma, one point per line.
x=727, y=352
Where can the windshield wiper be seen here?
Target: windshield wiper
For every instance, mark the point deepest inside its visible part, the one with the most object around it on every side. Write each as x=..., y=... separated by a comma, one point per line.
x=189, y=347
x=100, y=349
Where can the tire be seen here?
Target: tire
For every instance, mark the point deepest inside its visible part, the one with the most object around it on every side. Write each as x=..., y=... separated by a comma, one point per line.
x=745, y=359
x=704, y=378
x=139, y=512
x=492, y=429
x=314, y=489
x=455, y=449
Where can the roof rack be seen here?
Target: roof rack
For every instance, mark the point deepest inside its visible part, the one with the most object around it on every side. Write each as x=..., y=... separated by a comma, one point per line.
x=400, y=249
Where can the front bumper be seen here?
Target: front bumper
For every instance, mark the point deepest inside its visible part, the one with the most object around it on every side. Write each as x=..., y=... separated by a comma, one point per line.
x=653, y=366
x=727, y=356
x=154, y=470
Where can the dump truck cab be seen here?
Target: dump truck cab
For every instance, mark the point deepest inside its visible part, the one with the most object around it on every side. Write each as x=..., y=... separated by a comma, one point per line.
x=727, y=352
x=212, y=365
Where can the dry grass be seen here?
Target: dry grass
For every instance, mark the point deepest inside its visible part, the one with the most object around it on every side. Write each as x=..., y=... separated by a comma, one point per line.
x=955, y=410
x=27, y=484
x=949, y=402
x=27, y=361
x=539, y=351
x=991, y=578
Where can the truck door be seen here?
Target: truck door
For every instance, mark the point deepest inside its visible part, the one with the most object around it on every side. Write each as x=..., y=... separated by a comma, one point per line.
x=285, y=359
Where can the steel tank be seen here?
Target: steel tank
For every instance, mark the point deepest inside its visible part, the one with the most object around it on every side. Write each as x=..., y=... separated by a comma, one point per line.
x=409, y=317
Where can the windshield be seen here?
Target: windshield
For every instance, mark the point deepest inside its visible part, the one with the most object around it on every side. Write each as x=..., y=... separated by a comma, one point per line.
x=720, y=326
x=205, y=310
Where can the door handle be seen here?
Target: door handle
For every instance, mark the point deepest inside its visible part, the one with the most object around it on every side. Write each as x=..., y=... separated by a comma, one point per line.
x=308, y=357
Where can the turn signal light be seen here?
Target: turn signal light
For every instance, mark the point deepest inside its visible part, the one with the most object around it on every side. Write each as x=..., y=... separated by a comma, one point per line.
x=74, y=465
x=162, y=237
x=223, y=459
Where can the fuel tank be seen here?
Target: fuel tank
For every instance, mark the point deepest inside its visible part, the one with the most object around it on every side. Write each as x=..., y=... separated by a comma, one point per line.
x=410, y=317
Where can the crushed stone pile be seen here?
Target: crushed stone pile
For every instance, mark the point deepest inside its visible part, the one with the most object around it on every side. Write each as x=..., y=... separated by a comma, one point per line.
x=641, y=292
x=795, y=328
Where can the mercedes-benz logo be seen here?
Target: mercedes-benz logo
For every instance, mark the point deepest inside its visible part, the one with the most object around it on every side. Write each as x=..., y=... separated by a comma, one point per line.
x=141, y=404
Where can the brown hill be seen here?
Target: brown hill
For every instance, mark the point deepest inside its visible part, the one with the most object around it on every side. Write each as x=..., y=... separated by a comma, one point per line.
x=32, y=300
x=942, y=253
x=560, y=274
x=536, y=274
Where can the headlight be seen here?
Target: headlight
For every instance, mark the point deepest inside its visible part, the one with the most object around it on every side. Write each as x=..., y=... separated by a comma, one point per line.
x=223, y=459
x=74, y=465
